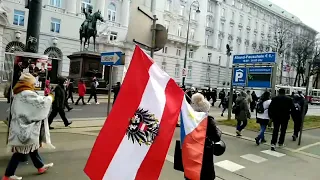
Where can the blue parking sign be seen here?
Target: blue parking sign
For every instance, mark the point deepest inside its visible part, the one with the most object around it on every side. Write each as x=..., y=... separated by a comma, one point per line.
x=239, y=77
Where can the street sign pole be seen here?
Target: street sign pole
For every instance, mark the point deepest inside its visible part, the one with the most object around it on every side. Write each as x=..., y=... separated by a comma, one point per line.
x=304, y=108
x=109, y=90
x=231, y=94
x=111, y=59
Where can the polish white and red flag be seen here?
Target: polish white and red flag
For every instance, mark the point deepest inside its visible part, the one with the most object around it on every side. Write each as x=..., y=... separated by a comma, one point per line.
x=133, y=143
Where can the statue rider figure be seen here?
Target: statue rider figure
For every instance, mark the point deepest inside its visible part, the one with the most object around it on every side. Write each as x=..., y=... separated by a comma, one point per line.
x=88, y=16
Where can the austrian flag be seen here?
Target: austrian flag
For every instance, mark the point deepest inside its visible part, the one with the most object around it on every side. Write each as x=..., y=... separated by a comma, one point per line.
x=133, y=143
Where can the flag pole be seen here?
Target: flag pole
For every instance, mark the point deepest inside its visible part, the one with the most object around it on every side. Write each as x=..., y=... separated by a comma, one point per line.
x=109, y=90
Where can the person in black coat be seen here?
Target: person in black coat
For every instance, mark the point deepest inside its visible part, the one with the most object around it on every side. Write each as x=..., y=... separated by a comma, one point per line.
x=299, y=103
x=279, y=111
x=58, y=104
x=70, y=90
x=93, y=91
x=116, y=90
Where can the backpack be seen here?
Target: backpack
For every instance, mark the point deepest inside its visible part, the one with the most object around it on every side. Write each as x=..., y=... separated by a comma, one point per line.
x=236, y=109
x=260, y=108
x=297, y=106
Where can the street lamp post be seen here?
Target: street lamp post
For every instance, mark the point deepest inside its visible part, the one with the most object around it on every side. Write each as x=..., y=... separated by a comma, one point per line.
x=186, y=52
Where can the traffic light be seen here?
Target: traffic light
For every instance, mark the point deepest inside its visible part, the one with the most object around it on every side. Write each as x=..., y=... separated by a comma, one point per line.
x=228, y=50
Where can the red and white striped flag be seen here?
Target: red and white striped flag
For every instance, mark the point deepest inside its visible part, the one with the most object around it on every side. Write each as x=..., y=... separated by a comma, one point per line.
x=133, y=143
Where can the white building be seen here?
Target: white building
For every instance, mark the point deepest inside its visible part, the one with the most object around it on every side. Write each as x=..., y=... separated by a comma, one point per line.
x=247, y=25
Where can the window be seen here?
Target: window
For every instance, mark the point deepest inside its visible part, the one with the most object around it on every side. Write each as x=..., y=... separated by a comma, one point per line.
x=210, y=9
x=222, y=27
x=189, y=75
x=208, y=74
x=262, y=30
x=18, y=18
x=55, y=25
x=163, y=65
x=192, y=33
x=231, y=29
x=220, y=44
x=181, y=10
x=112, y=11
x=179, y=30
x=166, y=25
x=232, y=15
x=207, y=40
x=232, y=2
x=240, y=5
x=223, y=12
x=113, y=36
x=56, y=3
x=248, y=34
x=249, y=22
x=241, y=19
x=190, y=53
x=178, y=53
x=168, y=5
x=177, y=71
x=239, y=32
x=165, y=50
x=256, y=24
x=209, y=57
x=85, y=4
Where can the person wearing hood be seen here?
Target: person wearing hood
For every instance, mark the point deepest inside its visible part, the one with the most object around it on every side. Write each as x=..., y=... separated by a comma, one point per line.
x=59, y=103
x=213, y=134
x=29, y=128
x=299, y=103
x=70, y=90
x=241, y=111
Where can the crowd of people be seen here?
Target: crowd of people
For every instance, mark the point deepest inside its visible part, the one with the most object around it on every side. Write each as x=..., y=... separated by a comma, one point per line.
x=273, y=112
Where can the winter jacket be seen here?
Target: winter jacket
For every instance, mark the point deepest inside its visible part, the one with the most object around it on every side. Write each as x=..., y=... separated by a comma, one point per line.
x=81, y=89
x=244, y=112
x=59, y=97
x=280, y=108
x=70, y=88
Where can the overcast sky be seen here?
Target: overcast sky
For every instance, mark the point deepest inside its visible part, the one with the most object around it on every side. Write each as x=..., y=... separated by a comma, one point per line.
x=307, y=10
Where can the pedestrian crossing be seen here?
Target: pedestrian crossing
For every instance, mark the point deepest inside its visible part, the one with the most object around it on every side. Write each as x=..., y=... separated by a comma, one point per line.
x=262, y=157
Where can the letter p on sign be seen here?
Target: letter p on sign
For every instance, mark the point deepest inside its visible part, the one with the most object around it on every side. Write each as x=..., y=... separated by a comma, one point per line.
x=239, y=75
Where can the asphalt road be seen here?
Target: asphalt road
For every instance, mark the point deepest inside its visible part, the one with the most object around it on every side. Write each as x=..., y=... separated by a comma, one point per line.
x=243, y=160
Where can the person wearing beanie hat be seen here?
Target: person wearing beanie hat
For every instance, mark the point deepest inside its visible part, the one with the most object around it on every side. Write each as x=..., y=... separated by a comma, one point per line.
x=29, y=127
x=213, y=135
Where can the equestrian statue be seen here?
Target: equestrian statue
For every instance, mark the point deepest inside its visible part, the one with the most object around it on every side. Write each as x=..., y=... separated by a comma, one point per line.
x=88, y=28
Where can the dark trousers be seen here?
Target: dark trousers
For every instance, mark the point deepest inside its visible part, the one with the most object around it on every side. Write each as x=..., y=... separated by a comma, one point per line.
x=241, y=124
x=282, y=126
x=70, y=96
x=93, y=94
x=55, y=112
x=67, y=105
x=16, y=158
x=80, y=98
x=297, y=126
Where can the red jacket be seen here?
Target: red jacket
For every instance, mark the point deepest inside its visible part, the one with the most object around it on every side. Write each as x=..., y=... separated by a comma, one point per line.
x=81, y=89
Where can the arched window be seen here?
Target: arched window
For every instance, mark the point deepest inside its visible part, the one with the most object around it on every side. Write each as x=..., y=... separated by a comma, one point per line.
x=53, y=52
x=15, y=46
x=112, y=11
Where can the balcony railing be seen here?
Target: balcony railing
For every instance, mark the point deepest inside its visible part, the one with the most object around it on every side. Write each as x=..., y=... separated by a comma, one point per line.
x=182, y=40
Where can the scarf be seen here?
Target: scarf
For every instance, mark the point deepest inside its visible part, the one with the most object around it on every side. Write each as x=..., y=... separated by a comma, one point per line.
x=29, y=127
x=22, y=86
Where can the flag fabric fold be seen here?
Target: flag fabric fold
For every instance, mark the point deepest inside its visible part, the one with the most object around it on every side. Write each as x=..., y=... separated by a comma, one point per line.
x=133, y=143
x=193, y=129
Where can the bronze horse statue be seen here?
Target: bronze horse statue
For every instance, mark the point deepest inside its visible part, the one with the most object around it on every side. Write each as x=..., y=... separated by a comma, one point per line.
x=89, y=29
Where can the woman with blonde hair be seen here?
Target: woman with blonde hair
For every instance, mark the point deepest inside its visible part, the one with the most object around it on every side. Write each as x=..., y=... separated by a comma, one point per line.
x=29, y=128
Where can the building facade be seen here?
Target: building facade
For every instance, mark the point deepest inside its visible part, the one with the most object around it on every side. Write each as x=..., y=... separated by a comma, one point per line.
x=248, y=26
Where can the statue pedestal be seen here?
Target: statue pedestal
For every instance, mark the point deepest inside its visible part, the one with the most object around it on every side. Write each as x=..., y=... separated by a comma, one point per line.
x=86, y=65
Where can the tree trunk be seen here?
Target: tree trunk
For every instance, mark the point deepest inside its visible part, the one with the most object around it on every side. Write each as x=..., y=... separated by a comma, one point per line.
x=317, y=79
x=299, y=79
x=295, y=80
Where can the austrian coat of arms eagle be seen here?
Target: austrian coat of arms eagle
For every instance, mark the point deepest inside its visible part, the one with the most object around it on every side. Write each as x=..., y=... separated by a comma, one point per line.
x=143, y=127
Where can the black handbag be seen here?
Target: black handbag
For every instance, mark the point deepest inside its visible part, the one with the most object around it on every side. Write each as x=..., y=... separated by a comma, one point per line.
x=177, y=165
x=219, y=148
